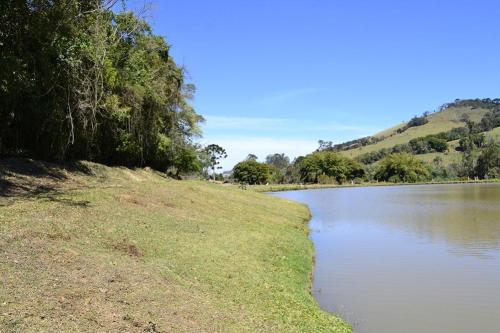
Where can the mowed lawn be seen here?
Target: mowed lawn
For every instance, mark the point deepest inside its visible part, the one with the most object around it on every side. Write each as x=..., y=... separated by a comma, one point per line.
x=90, y=248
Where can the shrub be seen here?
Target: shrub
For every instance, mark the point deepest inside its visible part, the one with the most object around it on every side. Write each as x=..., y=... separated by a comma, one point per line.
x=488, y=163
x=401, y=167
x=251, y=172
x=320, y=166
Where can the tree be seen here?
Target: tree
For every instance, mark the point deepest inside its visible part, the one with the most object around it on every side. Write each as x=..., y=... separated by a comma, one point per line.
x=215, y=153
x=321, y=165
x=251, y=172
x=81, y=80
x=488, y=163
x=251, y=157
x=401, y=167
x=469, y=146
x=278, y=164
x=325, y=145
x=279, y=161
x=437, y=144
x=438, y=171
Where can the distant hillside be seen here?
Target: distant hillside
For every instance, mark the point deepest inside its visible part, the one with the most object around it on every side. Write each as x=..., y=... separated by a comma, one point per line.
x=450, y=116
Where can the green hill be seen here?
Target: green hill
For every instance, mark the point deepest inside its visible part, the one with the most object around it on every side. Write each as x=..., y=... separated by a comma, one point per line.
x=449, y=117
x=440, y=121
x=91, y=248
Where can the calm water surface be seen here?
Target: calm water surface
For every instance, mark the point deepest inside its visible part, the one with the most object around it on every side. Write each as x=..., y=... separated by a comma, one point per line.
x=408, y=259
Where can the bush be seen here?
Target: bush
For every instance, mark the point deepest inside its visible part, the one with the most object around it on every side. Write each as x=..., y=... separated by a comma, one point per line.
x=437, y=144
x=417, y=121
x=488, y=163
x=324, y=166
x=402, y=167
x=251, y=172
x=456, y=133
x=414, y=122
x=429, y=144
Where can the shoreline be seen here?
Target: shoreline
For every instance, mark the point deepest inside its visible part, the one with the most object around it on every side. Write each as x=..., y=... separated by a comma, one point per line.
x=298, y=187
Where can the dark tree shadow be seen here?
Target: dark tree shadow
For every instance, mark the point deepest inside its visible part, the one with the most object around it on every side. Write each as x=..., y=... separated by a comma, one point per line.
x=34, y=179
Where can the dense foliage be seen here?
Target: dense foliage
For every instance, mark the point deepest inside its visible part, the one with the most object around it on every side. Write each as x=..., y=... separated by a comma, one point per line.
x=251, y=172
x=428, y=144
x=326, y=166
x=488, y=162
x=80, y=80
x=402, y=167
x=278, y=166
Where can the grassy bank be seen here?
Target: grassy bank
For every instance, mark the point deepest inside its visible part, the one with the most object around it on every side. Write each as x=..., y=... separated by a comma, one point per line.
x=295, y=187
x=93, y=248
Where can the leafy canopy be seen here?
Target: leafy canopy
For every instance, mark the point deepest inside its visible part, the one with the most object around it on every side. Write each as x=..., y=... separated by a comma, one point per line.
x=402, y=167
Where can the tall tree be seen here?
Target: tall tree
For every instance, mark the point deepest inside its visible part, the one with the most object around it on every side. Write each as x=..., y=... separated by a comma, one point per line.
x=215, y=153
x=279, y=161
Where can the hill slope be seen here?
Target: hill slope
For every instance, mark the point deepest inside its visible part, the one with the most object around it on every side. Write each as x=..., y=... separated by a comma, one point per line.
x=93, y=248
x=438, y=122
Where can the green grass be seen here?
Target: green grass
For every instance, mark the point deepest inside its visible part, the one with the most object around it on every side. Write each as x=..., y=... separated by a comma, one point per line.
x=93, y=248
x=438, y=122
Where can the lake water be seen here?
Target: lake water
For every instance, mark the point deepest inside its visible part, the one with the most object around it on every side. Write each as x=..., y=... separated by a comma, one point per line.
x=408, y=259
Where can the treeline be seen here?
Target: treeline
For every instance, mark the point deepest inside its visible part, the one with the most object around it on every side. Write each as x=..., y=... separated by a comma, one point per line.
x=84, y=80
x=486, y=103
x=327, y=167
x=318, y=167
x=480, y=159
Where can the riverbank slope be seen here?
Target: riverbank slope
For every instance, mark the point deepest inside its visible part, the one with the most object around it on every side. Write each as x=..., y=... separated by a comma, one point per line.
x=93, y=248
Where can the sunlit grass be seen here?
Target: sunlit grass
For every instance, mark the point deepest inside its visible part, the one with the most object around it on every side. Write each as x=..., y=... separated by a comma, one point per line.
x=122, y=250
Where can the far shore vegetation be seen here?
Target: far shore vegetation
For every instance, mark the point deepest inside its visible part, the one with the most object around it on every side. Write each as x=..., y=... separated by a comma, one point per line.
x=473, y=144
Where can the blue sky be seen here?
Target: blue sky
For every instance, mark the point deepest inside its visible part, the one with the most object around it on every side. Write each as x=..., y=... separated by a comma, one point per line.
x=277, y=76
